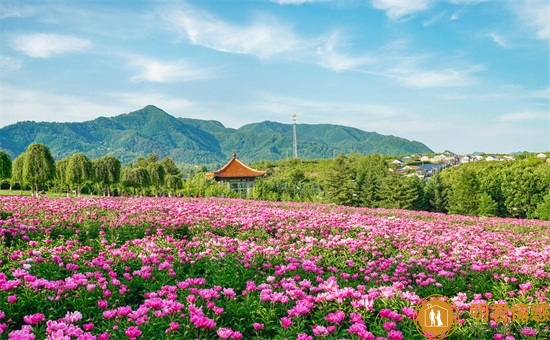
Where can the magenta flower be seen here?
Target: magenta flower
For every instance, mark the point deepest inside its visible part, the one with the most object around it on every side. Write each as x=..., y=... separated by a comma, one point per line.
x=303, y=336
x=286, y=322
x=102, y=304
x=33, y=319
x=528, y=331
x=395, y=335
x=132, y=332
x=224, y=333
x=237, y=335
x=388, y=326
x=12, y=298
x=258, y=326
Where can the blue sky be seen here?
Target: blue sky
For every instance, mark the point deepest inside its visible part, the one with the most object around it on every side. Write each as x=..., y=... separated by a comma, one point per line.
x=459, y=75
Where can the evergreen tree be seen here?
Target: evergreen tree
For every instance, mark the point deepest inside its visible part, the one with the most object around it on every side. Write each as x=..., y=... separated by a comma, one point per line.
x=463, y=195
x=395, y=193
x=38, y=166
x=371, y=172
x=435, y=193
x=486, y=206
x=341, y=187
x=79, y=170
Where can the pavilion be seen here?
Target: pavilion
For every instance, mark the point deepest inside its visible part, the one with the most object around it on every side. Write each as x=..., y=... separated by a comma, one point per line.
x=238, y=176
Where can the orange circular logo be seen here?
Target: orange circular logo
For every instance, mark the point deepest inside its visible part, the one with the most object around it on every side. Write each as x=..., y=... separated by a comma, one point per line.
x=435, y=317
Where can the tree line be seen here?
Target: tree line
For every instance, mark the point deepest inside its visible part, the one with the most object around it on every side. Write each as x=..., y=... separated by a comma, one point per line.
x=519, y=189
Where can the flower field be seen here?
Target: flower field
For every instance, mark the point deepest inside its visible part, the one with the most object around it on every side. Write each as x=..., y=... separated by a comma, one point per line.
x=173, y=268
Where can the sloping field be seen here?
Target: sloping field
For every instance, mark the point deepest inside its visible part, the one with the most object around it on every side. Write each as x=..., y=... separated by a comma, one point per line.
x=173, y=268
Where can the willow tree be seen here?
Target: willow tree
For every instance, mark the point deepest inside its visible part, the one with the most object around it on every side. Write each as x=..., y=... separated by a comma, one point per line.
x=5, y=166
x=17, y=171
x=136, y=178
x=107, y=172
x=156, y=173
x=38, y=166
x=61, y=175
x=79, y=170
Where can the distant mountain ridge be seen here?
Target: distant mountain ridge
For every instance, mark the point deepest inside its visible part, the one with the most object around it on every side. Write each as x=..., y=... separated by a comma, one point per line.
x=194, y=141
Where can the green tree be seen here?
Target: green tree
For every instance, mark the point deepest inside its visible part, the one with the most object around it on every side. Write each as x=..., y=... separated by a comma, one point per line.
x=38, y=166
x=341, y=186
x=543, y=208
x=371, y=172
x=396, y=193
x=156, y=173
x=137, y=178
x=17, y=171
x=463, y=194
x=486, y=206
x=107, y=172
x=435, y=193
x=173, y=183
x=170, y=167
x=524, y=190
x=5, y=166
x=61, y=175
x=79, y=170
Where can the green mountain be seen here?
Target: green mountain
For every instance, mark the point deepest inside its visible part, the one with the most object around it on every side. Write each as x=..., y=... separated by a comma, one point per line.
x=195, y=141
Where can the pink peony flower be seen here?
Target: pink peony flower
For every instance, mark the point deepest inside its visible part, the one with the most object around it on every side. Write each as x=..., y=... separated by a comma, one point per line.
x=258, y=326
x=224, y=333
x=286, y=322
x=132, y=332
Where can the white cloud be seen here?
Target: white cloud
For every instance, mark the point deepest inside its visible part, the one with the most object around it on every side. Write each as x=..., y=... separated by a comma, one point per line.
x=292, y=2
x=534, y=14
x=13, y=10
x=334, y=60
x=263, y=38
x=500, y=40
x=8, y=65
x=468, y=2
x=397, y=9
x=523, y=116
x=157, y=71
x=42, y=45
x=20, y=104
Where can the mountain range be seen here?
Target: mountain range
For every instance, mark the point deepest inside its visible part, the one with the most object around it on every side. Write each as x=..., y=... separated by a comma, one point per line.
x=194, y=141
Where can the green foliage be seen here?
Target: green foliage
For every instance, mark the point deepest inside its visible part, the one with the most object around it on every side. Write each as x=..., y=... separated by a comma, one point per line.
x=156, y=173
x=340, y=185
x=463, y=194
x=435, y=193
x=79, y=169
x=543, y=208
x=396, y=192
x=17, y=170
x=5, y=166
x=38, y=166
x=107, y=172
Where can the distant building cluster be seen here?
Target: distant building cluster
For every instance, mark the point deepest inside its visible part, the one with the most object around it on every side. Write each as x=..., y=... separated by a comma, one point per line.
x=426, y=166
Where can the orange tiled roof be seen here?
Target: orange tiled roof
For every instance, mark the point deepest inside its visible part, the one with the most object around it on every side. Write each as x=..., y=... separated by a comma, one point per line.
x=234, y=168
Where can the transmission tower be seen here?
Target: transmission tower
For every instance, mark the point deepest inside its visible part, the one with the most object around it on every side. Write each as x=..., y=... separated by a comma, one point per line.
x=295, y=140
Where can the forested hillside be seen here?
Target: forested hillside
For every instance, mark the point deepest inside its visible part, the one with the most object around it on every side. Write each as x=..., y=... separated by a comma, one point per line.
x=198, y=142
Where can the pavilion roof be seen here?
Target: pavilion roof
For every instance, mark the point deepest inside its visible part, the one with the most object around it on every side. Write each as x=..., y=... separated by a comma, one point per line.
x=235, y=169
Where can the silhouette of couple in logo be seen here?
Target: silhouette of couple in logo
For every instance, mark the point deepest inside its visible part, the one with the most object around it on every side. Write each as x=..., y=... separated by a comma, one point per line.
x=435, y=319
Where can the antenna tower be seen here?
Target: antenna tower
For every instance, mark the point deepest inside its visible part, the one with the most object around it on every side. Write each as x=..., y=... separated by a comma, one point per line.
x=295, y=140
